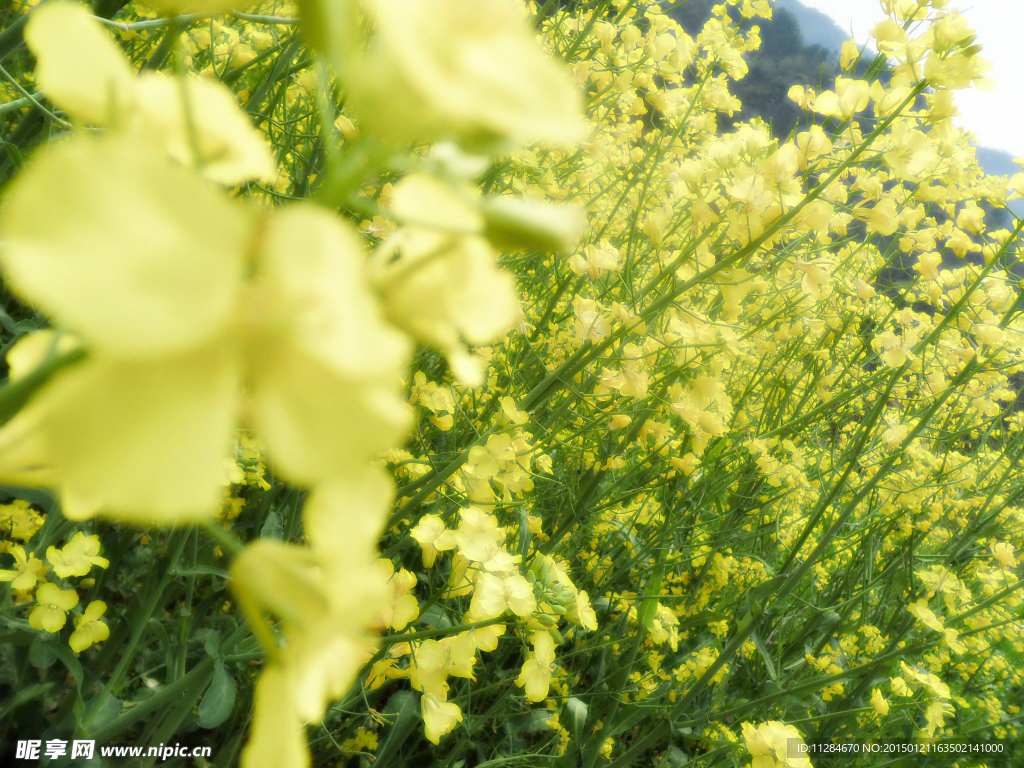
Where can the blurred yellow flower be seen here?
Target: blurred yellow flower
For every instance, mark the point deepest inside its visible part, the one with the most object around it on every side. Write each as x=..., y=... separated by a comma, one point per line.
x=327, y=598
x=468, y=70
x=437, y=276
x=278, y=736
x=180, y=296
x=1004, y=553
x=326, y=606
x=925, y=615
x=83, y=72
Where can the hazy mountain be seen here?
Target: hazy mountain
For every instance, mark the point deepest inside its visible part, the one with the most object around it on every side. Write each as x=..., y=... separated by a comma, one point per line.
x=818, y=29
x=999, y=163
x=815, y=26
x=996, y=162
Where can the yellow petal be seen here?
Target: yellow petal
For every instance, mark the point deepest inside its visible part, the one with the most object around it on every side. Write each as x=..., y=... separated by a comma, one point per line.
x=466, y=69
x=488, y=598
x=47, y=618
x=878, y=702
x=141, y=442
x=535, y=678
x=544, y=648
x=439, y=716
x=327, y=375
x=94, y=610
x=348, y=514
x=486, y=638
x=277, y=738
x=25, y=457
x=514, y=223
x=430, y=656
x=31, y=350
x=519, y=595
x=231, y=150
x=52, y=595
x=326, y=608
x=420, y=199
x=79, y=66
x=135, y=254
x=406, y=610
x=80, y=639
x=281, y=578
x=446, y=288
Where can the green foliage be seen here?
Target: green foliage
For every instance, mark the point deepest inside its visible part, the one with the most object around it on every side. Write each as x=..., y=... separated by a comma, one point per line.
x=747, y=468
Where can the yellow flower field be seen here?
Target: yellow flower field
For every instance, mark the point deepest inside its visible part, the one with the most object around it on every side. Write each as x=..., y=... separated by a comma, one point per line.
x=469, y=383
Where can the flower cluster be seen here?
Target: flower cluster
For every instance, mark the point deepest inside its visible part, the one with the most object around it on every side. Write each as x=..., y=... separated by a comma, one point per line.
x=192, y=321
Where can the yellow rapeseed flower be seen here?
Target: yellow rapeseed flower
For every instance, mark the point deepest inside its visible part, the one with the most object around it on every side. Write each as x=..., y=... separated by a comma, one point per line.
x=769, y=745
x=468, y=70
x=327, y=597
x=28, y=569
x=878, y=703
x=89, y=628
x=535, y=676
x=77, y=557
x=18, y=518
x=437, y=276
x=53, y=605
x=84, y=73
x=439, y=716
x=181, y=296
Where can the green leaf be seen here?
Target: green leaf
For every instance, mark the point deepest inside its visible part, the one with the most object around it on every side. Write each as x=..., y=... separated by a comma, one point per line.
x=676, y=758
x=649, y=605
x=212, y=645
x=14, y=395
x=535, y=721
x=202, y=570
x=435, y=616
x=578, y=710
x=103, y=709
x=216, y=705
x=68, y=658
x=402, y=711
x=273, y=527
x=40, y=653
x=765, y=656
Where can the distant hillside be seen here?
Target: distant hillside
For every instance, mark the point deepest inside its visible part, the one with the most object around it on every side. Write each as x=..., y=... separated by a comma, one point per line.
x=999, y=163
x=817, y=29
x=996, y=162
x=815, y=26
x=785, y=58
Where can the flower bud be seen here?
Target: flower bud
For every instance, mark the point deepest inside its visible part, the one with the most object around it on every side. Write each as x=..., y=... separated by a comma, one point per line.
x=512, y=223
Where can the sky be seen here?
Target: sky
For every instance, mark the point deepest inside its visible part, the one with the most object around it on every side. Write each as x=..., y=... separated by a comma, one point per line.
x=995, y=117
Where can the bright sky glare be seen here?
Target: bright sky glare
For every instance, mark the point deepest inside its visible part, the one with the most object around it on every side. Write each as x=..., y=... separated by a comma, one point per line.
x=995, y=117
